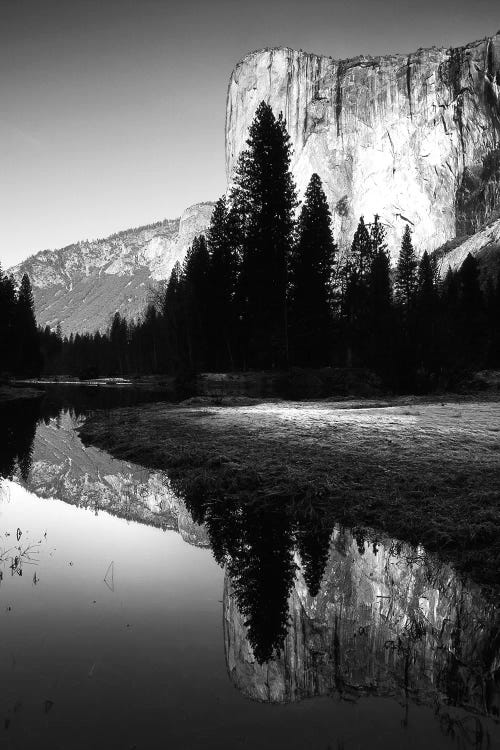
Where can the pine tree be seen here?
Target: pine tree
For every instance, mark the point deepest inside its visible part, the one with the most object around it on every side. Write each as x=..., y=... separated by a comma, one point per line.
x=313, y=542
x=196, y=278
x=311, y=270
x=360, y=257
x=221, y=240
x=28, y=360
x=367, y=306
x=379, y=324
x=427, y=320
x=405, y=282
x=427, y=281
x=264, y=200
x=118, y=336
x=149, y=341
x=377, y=238
x=8, y=305
x=471, y=318
x=355, y=302
x=174, y=318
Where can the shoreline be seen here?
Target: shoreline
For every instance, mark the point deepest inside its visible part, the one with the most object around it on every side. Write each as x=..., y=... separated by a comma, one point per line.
x=424, y=471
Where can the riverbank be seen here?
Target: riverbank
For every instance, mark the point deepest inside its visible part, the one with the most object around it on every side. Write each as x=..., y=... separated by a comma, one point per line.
x=427, y=473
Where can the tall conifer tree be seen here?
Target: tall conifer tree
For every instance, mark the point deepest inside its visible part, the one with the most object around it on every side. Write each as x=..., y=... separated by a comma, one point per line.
x=8, y=305
x=174, y=318
x=379, y=324
x=264, y=201
x=377, y=237
x=311, y=315
x=196, y=281
x=26, y=334
x=427, y=331
x=471, y=311
x=405, y=282
x=221, y=239
x=360, y=257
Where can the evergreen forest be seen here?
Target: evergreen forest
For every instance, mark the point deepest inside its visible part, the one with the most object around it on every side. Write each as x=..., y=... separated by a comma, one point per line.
x=267, y=288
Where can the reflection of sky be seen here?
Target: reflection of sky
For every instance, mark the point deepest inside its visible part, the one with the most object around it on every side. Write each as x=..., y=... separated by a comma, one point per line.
x=145, y=661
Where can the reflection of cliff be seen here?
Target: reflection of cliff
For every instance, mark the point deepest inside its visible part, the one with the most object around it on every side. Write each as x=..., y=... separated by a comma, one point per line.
x=64, y=468
x=388, y=623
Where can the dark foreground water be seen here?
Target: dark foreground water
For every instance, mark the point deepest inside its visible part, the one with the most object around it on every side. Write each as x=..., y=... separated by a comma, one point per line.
x=118, y=628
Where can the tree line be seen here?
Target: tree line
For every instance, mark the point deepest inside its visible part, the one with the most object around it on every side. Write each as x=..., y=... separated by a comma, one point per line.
x=20, y=341
x=269, y=289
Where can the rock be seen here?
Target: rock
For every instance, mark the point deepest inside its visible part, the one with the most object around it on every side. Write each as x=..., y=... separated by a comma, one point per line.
x=389, y=621
x=83, y=285
x=63, y=468
x=484, y=245
x=398, y=135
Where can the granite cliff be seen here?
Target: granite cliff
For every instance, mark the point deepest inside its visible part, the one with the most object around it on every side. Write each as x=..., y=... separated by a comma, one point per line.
x=387, y=620
x=82, y=285
x=483, y=245
x=412, y=137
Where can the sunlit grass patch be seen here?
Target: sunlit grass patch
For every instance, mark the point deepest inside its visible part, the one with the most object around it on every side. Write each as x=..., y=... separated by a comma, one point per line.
x=429, y=477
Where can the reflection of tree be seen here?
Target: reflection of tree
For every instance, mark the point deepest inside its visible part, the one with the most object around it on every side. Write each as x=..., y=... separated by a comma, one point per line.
x=18, y=433
x=256, y=541
x=313, y=540
x=263, y=572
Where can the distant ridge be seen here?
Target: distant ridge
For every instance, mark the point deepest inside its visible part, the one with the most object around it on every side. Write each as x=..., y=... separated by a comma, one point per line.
x=82, y=285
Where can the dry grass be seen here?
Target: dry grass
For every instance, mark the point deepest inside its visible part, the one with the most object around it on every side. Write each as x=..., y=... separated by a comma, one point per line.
x=424, y=472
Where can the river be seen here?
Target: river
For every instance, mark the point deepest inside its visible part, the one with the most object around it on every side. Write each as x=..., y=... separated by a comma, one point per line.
x=127, y=624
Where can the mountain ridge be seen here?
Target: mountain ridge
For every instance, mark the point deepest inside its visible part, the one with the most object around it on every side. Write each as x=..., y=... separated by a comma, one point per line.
x=82, y=285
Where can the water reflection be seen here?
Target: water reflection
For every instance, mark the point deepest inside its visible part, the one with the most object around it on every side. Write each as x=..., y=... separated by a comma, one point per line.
x=309, y=609
x=18, y=433
x=44, y=450
x=387, y=620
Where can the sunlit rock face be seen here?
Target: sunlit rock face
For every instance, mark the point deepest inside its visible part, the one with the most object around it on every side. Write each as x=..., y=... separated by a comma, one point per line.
x=395, y=135
x=63, y=468
x=389, y=622
x=81, y=286
x=483, y=245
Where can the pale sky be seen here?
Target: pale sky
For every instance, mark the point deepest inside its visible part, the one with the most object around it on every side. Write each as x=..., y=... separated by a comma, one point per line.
x=112, y=111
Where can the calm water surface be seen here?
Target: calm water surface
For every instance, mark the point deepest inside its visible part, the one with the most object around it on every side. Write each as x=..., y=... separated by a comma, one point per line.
x=119, y=629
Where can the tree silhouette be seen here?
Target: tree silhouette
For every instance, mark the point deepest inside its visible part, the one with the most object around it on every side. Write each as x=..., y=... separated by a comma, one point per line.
x=377, y=238
x=311, y=271
x=355, y=302
x=18, y=430
x=380, y=327
x=8, y=347
x=361, y=255
x=313, y=543
x=174, y=316
x=264, y=200
x=196, y=291
x=28, y=360
x=427, y=334
x=471, y=311
x=222, y=243
x=405, y=283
